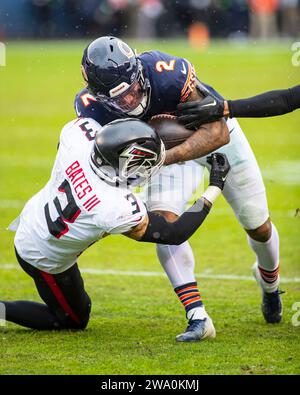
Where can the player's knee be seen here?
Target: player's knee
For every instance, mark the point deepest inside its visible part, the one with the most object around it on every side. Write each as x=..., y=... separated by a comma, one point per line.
x=84, y=317
x=262, y=233
x=78, y=319
x=82, y=324
x=168, y=215
x=253, y=214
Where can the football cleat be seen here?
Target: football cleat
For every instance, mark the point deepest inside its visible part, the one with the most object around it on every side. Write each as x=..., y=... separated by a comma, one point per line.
x=198, y=330
x=271, y=306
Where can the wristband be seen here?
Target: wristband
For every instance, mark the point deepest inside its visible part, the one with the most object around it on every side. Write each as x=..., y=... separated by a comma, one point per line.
x=211, y=193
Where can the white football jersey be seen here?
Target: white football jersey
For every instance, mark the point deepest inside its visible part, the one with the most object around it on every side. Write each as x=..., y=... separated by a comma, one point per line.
x=75, y=208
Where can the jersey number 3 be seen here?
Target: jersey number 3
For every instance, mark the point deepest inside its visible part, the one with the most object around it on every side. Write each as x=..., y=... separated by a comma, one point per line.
x=67, y=215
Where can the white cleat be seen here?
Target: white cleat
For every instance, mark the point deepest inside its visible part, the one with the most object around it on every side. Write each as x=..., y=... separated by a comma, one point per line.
x=198, y=330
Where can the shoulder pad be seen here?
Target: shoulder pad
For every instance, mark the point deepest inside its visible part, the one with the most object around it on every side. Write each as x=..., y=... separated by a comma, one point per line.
x=87, y=106
x=173, y=77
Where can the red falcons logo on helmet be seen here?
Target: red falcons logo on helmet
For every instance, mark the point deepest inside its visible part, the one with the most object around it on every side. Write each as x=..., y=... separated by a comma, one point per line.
x=137, y=158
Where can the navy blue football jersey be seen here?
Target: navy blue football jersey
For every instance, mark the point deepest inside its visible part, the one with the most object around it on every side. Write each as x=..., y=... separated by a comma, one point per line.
x=172, y=79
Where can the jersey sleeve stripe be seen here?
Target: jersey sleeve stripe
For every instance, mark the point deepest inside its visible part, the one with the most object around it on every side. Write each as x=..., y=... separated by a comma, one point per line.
x=189, y=84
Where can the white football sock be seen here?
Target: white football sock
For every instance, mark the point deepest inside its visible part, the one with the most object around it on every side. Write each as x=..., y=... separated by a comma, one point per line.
x=198, y=313
x=178, y=262
x=267, y=254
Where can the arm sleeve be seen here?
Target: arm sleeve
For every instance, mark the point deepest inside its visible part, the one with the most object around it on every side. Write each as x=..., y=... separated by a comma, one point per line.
x=161, y=231
x=268, y=104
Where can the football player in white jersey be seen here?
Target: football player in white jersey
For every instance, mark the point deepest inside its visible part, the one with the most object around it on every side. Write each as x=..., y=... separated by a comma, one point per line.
x=86, y=199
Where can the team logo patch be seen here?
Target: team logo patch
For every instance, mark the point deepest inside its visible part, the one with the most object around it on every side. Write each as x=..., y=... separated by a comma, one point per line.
x=125, y=49
x=138, y=157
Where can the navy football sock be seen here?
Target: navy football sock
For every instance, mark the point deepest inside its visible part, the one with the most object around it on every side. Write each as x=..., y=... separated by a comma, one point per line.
x=189, y=296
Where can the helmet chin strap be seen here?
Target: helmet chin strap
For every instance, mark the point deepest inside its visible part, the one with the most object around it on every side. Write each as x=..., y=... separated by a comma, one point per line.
x=140, y=109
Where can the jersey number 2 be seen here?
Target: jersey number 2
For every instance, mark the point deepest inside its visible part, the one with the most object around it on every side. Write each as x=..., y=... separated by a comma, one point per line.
x=67, y=215
x=164, y=66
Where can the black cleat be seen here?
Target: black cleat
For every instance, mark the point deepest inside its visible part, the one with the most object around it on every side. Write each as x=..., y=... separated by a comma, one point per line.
x=272, y=307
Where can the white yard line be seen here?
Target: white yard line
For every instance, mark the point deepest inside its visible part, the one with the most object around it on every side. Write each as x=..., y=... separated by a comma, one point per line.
x=5, y=203
x=282, y=172
x=109, y=272
x=19, y=204
x=28, y=162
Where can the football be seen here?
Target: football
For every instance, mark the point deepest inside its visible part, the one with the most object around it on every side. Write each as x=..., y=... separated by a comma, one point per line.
x=169, y=130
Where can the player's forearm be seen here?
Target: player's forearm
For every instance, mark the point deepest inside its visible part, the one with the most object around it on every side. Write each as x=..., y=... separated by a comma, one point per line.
x=205, y=140
x=161, y=231
x=156, y=229
x=267, y=104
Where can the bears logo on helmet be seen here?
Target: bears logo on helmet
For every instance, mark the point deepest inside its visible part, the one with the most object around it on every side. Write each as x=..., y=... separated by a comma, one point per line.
x=115, y=77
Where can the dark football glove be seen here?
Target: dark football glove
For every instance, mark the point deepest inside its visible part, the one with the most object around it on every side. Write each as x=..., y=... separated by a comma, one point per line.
x=219, y=169
x=195, y=113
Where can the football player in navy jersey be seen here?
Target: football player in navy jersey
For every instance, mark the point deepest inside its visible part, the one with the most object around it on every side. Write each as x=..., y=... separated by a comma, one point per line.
x=121, y=83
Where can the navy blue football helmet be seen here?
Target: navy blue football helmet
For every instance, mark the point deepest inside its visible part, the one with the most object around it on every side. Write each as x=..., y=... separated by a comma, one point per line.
x=114, y=75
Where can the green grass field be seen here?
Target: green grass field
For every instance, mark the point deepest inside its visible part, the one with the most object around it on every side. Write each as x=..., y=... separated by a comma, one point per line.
x=135, y=318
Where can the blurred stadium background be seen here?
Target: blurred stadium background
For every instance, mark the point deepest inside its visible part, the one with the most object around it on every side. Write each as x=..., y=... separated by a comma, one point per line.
x=149, y=18
x=241, y=48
